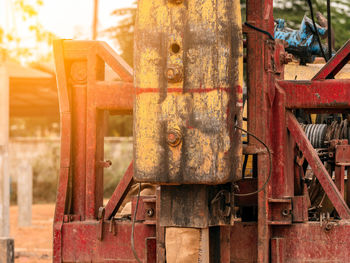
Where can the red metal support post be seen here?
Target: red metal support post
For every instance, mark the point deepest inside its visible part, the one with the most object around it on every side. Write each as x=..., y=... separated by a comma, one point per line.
x=260, y=98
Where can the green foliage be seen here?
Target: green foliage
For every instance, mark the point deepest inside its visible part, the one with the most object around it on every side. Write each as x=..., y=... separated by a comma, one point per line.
x=26, y=12
x=120, y=155
x=120, y=126
x=123, y=33
x=45, y=175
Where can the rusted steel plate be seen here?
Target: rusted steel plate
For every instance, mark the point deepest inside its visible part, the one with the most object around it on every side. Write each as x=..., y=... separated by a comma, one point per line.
x=304, y=242
x=342, y=154
x=318, y=168
x=327, y=94
x=188, y=85
x=80, y=243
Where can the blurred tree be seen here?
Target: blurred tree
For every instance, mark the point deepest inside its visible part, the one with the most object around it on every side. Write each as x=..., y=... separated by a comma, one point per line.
x=119, y=126
x=123, y=33
x=27, y=40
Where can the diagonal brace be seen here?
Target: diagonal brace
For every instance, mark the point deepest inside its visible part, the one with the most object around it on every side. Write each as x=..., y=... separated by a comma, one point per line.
x=119, y=193
x=317, y=166
x=335, y=64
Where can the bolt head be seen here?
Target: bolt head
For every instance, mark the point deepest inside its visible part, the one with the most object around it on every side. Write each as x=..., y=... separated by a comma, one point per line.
x=177, y=2
x=174, y=74
x=174, y=137
x=150, y=212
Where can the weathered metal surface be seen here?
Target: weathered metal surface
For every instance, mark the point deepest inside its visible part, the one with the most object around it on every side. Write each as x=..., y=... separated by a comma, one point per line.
x=318, y=167
x=80, y=242
x=304, y=242
x=196, y=206
x=84, y=95
x=280, y=211
x=342, y=155
x=188, y=85
x=182, y=91
x=300, y=209
x=278, y=247
x=330, y=94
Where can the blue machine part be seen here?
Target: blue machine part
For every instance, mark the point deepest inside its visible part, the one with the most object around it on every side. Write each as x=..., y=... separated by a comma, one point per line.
x=302, y=43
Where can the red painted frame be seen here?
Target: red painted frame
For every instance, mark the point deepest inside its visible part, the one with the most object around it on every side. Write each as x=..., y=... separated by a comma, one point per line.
x=80, y=234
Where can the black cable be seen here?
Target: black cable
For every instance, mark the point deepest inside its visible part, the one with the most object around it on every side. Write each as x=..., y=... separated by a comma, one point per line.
x=270, y=159
x=133, y=227
x=329, y=21
x=315, y=28
x=260, y=30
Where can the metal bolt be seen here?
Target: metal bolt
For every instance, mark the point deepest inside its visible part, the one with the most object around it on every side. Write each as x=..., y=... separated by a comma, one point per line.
x=101, y=213
x=328, y=226
x=174, y=74
x=79, y=72
x=286, y=58
x=176, y=2
x=174, y=137
x=285, y=212
x=150, y=212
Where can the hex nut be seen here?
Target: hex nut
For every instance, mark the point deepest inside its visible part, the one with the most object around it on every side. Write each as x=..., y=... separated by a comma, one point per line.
x=174, y=137
x=174, y=74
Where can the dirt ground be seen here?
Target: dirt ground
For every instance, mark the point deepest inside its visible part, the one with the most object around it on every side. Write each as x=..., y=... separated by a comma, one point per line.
x=34, y=243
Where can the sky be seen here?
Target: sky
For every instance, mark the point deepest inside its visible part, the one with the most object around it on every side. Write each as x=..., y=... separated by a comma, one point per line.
x=69, y=19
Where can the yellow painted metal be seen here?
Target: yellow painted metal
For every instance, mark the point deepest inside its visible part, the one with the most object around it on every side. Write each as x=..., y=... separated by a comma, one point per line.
x=188, y=88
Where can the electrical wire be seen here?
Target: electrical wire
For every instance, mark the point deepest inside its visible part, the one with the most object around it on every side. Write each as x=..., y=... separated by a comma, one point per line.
x=270, y=161
x=133, y=227
x=329, y=21
x=260, y=30
x=315, y=28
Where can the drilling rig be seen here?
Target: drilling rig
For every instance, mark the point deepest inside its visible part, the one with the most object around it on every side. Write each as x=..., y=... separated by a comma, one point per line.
x=186, y=97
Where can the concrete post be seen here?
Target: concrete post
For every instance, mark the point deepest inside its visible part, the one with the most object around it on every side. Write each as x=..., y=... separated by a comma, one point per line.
x=25, y=194
x=4, y=138
x=7, y=254
x=6, y=243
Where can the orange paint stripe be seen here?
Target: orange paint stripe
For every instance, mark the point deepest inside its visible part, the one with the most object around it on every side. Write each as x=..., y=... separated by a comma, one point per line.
x=238, y=89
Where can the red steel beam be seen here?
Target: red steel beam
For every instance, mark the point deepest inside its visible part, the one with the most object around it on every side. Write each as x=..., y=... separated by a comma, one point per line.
x=113, y=96
x=118, y=65
x=317, y=166
x=327, y=94
x=335, y=64
x=260, y=82
x=80, y=242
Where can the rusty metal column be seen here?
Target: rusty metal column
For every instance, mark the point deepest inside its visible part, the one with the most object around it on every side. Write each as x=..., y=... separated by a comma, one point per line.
x=79, y=86
x=260, y=14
